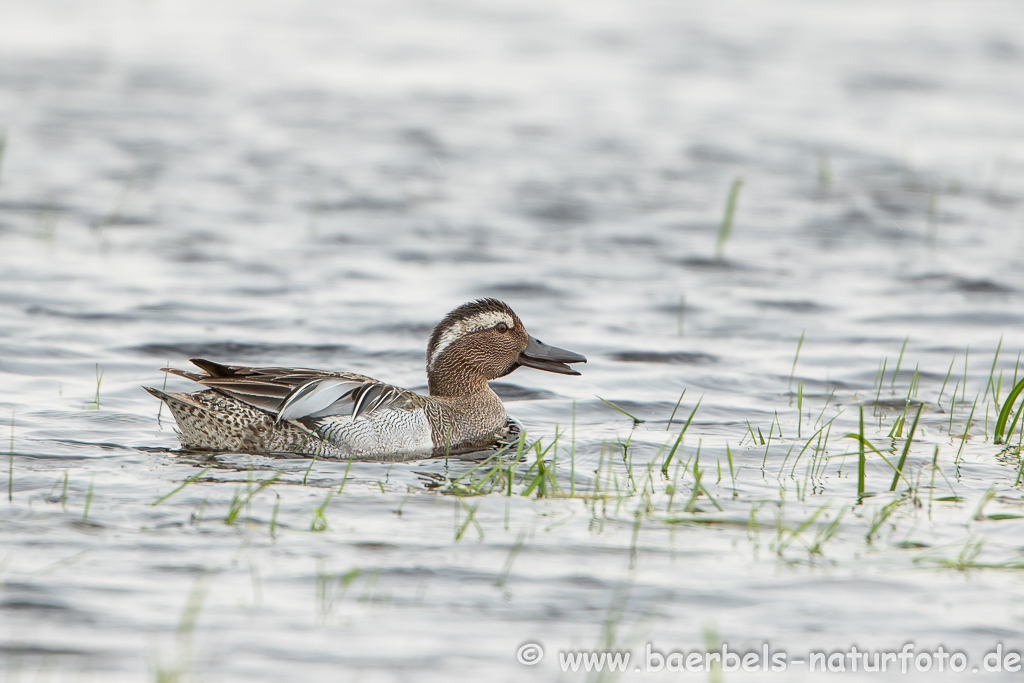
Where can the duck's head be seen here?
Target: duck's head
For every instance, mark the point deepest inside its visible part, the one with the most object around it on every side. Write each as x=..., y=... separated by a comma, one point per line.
x=484, y=340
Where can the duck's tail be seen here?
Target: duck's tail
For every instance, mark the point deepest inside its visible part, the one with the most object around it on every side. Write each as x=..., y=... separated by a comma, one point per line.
x=198, y=424
x=209, y=420
x=169, y=399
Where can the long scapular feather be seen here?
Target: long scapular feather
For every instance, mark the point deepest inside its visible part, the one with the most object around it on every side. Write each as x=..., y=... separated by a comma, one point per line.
x=369, y=397
x=315, y=397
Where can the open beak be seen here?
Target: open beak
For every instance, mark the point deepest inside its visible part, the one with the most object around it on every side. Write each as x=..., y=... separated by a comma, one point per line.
x=539, y=355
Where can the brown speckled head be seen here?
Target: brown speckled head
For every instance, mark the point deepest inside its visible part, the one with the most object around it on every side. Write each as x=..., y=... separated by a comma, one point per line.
x=484, y=340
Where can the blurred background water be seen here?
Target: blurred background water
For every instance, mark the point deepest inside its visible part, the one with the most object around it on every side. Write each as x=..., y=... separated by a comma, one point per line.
x=315, y=184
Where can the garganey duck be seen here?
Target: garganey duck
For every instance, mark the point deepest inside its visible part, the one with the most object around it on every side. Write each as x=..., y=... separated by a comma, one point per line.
x=343, y=415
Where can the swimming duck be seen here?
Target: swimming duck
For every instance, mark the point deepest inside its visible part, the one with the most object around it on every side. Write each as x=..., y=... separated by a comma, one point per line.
x=343, y=415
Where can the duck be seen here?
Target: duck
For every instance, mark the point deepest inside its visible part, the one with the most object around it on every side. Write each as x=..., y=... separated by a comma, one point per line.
x=344, y=415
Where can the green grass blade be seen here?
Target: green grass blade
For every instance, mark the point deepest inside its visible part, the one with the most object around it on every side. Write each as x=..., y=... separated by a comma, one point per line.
x=686, y=425
x=946, y=379
x=673, y=416
x=906, y=450
x=860, y=457
x=992, y=371
x=636, y=420
x=796, y=357
x=186, y=483
x=899, y=361
x=1004, y=413
x=725, y=229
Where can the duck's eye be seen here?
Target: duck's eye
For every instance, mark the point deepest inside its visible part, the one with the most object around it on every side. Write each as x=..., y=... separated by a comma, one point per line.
x=501, y=327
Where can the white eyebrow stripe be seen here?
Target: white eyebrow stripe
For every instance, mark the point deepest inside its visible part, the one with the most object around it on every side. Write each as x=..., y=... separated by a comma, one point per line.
x=480, y=321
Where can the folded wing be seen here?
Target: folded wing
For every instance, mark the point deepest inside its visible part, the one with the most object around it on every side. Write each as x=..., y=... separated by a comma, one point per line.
x=295, y=393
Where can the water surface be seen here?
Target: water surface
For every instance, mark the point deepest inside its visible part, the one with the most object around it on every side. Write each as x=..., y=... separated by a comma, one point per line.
x=314, y=184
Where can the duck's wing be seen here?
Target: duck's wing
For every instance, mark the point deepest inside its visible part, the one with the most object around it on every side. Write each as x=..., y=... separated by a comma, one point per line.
x=293, y=393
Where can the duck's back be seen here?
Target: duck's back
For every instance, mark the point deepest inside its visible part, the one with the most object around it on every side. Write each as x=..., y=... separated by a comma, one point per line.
x=297, y=410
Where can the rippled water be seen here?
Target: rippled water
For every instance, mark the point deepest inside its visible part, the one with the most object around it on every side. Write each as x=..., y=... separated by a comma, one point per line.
x=316, y=184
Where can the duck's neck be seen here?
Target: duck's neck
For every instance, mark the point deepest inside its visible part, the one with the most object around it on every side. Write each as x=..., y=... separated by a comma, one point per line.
x=452, y=379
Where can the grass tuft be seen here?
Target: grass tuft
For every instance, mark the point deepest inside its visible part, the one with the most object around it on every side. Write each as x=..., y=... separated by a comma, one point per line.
x=796, y=357
x=95, y=403
x=88, y=500
x=636, y=420
x=824, y=170
x=10, y=465
x=319, y=521
x=183, y=485
x=673, y=415
x=679, y=439
x=186, y=628
x=1000, y=433
x=240, y=502
x=725, y=229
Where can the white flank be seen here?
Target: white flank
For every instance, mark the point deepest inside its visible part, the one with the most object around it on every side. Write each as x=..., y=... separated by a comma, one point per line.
x=460, y=328
x=381, y=432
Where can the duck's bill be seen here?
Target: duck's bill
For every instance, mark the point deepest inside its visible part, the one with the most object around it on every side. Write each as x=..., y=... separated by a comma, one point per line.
x=539, y=355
